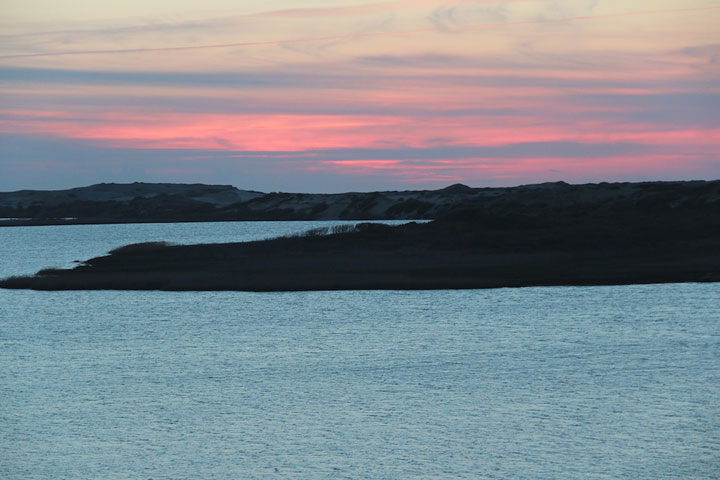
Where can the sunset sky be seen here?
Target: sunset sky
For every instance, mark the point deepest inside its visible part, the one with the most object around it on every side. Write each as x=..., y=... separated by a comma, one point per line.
x=328, y=96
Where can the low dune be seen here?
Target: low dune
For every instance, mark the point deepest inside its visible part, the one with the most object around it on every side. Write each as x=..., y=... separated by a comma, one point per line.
x=669, y=235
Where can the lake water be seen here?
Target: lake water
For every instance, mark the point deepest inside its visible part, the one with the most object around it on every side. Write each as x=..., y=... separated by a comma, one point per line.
x=537, y=383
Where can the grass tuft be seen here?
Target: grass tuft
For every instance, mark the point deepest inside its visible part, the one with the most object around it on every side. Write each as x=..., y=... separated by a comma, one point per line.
x=140, y=247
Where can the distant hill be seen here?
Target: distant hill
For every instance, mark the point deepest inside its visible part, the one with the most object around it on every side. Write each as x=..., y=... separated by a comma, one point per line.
x=548, y=234
x=167, y=202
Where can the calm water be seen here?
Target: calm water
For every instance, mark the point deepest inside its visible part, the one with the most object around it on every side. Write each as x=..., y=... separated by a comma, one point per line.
x=537, y=383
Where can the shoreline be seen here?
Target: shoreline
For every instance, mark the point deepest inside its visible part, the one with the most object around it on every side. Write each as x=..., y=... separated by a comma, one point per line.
x=568, y=237
x=170, y=203
x=139, y=288
x=142, y=221
x=373, y=257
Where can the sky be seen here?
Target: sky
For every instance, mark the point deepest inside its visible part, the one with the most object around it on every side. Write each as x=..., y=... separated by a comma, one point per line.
x=357, y=95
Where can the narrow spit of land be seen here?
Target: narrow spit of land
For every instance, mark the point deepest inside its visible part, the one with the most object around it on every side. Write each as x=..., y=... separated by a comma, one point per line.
x=555, y=234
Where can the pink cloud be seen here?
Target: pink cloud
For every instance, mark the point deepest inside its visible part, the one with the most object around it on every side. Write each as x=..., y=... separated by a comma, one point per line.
x=525, y=170
x=298, y=133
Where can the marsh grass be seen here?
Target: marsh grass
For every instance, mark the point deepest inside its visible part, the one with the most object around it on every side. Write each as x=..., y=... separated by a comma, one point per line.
x=140, y=247
x=49, y=271
x=323, y=231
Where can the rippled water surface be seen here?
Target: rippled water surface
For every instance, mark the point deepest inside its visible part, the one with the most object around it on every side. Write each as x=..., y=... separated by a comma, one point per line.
x=540, y=383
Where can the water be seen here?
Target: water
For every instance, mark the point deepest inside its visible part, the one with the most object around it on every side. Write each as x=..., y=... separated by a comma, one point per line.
x=25, y=250
x=540, y=383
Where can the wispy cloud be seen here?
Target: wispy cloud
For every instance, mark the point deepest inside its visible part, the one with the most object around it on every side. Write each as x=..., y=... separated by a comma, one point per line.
x=395, y=91
x=354, y=36
x=711, y=53
x=67, y=162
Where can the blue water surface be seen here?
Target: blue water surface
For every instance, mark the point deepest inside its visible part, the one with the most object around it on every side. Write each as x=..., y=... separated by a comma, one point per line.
x=537, y=383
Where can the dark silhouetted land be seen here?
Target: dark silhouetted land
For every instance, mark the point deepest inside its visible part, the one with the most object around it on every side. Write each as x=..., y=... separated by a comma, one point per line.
x=165, y=202
x=549, y=234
